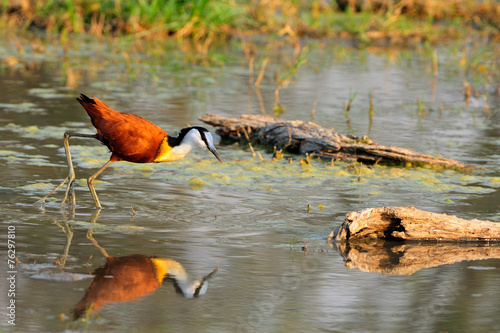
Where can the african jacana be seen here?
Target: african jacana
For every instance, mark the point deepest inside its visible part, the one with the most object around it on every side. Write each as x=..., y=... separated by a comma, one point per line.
x=124, y=279
x=133, y=139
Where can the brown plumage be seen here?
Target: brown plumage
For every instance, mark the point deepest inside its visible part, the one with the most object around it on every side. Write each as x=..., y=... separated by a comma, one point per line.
x=133, y=139
x=124, y=279
x=129, y=137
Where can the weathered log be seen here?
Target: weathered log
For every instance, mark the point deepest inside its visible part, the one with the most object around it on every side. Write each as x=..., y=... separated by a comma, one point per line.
x=397, y=258
x=409, y=223
x=309, y=138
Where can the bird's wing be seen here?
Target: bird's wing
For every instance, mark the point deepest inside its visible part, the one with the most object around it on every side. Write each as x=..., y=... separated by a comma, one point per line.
x=131, y=137
x=133, y=277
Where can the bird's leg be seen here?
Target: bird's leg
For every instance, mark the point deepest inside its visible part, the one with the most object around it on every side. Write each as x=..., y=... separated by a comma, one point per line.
x=47, y=195
x=71, y=176
x=90, y=232
x=69, y=236
x=92, y=239
x=70, y=190
x=91, y=183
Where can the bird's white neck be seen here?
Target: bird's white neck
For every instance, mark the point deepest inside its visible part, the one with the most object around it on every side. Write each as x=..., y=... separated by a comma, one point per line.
x=167, y=154
x=181, y=150
x=188, y=141
x=171, y=269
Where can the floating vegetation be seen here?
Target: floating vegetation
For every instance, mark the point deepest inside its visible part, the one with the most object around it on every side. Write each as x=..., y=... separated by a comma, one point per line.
x=13, y=157
x=131, y=227
x=61, y=276
x=38, y=187
x=34, y=131
x=196, y=183
x=277, y=175
x=46, y=93
x=24, y=107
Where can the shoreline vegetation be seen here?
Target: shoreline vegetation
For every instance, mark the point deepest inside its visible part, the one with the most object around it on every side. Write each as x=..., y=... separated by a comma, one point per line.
x=391, y=22
x=210, y=33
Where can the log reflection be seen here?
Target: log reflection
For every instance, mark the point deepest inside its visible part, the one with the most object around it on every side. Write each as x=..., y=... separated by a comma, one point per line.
x=406, y=258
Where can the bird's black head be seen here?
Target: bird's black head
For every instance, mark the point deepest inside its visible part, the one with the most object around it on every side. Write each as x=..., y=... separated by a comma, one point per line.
x=199, y=136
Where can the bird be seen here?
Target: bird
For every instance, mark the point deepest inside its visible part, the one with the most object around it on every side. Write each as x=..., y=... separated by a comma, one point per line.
x=124, y=279
x=131, y=138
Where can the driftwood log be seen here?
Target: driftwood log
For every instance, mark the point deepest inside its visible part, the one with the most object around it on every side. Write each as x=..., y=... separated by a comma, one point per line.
x=409, y=223
x=403, y=240
x=309, y=138
x=396, y=258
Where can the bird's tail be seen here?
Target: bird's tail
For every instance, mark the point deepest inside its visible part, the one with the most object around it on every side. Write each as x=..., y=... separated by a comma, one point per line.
x=96, y=109
x=85, y=99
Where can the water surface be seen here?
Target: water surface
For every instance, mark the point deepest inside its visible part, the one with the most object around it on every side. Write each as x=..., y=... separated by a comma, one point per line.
x=248, y=217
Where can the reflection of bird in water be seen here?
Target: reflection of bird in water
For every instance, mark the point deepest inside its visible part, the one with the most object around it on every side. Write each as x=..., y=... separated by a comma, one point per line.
x=126, y=278
x=133, y=139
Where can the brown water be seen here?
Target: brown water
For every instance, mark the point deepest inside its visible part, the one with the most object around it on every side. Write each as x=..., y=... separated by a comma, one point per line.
x=248, y=217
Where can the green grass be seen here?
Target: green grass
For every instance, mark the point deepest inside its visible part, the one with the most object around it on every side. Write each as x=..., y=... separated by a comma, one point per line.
x=126, y=16
x=209, y=18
